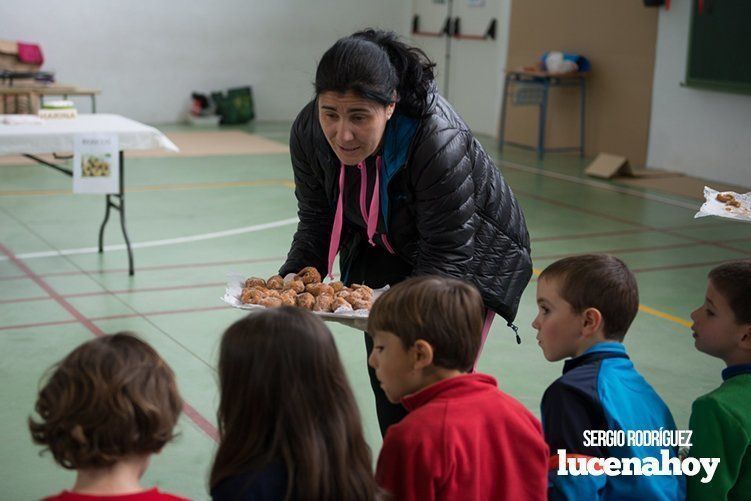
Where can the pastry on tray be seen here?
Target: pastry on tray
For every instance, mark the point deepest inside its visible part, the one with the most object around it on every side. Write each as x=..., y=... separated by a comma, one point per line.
x=306, y=290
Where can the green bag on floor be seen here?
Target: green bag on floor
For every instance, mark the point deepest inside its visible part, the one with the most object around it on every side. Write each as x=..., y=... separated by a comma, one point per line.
x=236, y=106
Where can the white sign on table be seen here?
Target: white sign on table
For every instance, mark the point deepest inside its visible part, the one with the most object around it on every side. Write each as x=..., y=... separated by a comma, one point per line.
x=96, y=163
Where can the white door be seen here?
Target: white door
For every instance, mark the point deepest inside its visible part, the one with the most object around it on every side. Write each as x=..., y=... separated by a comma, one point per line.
x=470, y=71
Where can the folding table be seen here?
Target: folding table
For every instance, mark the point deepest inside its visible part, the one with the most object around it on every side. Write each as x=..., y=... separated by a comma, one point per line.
x=58, y=135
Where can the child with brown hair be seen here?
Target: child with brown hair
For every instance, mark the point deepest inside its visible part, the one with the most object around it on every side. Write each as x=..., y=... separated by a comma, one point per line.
x=107, y=407
x=462, y=438
x=721, y=419
x=586, y=304
x=288, y=421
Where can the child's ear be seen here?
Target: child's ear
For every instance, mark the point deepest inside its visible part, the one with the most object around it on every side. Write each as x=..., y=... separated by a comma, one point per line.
x=745, y=342
x=422, y=353
x=592, y=321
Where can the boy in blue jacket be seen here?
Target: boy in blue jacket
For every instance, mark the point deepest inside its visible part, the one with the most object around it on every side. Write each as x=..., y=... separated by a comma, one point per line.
x=585, y=306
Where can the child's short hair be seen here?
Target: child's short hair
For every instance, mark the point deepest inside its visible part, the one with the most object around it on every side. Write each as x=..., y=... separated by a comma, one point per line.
x=445, y=312
x=733, y=281
x=598, y=281
x=111, y=397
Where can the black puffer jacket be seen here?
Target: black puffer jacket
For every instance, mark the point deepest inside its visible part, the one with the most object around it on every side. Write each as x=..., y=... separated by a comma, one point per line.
x=450, y=210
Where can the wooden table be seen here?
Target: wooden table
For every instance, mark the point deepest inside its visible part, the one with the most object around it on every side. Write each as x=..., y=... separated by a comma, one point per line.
x=30, y=97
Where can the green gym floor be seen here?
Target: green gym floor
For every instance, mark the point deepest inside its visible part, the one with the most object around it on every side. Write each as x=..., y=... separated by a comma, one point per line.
x=50, y=302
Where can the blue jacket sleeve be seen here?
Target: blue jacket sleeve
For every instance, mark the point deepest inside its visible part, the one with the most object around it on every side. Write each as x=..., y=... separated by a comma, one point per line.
x=567, y=411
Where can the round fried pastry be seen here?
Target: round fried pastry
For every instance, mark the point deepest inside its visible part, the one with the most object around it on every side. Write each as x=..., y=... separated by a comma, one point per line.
x=317, y=289
x=289, y=298
x=255, y=282
x=724, y=197
x=340, y=302
x=251, y=295
x=309, y=275
x=306, y=300
x=276, y=282
x=360, y=294
x=323, y=302
x=362, y=287
x=337, y=286
x=296, y=285
x=271, y=302
x=360, y=304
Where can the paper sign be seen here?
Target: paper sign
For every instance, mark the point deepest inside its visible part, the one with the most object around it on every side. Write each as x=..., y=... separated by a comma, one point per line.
x=96, y=164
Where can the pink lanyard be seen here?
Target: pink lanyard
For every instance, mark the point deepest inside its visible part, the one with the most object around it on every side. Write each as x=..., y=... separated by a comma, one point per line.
x=369, y=216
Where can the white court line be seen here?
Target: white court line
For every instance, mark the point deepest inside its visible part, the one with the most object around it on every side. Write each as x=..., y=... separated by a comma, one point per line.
x=284, y=222
x=602, y=185
x=157, y=243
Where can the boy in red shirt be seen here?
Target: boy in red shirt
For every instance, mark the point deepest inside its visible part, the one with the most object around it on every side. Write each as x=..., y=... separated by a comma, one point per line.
x=463, y=438
x=108, y=406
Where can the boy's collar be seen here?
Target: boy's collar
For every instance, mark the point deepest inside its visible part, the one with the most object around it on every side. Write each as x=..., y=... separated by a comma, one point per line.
x=425, y=395
x=606, y=349
x=735, y=370
x=606, y=346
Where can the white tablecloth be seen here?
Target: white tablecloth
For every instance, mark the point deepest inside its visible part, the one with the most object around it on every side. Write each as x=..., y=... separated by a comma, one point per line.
x=57, y=135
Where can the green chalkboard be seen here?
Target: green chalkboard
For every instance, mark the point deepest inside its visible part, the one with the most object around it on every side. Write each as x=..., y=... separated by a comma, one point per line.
x=719, y=52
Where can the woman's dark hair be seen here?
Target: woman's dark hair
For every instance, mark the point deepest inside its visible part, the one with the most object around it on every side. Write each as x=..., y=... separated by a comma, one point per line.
x=374, y=64
x=110, y=398
x=284, y=397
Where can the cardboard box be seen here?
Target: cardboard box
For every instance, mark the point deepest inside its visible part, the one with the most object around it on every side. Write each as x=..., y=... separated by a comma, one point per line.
x=607, y=166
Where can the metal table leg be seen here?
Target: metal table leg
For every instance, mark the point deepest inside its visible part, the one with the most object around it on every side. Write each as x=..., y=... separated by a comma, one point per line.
x=543, y=119
x=504, y=97
x=110, y=204
x=582, y=97
x=120, y=206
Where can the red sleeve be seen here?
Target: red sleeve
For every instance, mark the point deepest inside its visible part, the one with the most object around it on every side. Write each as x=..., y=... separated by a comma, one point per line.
x=410, y=465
